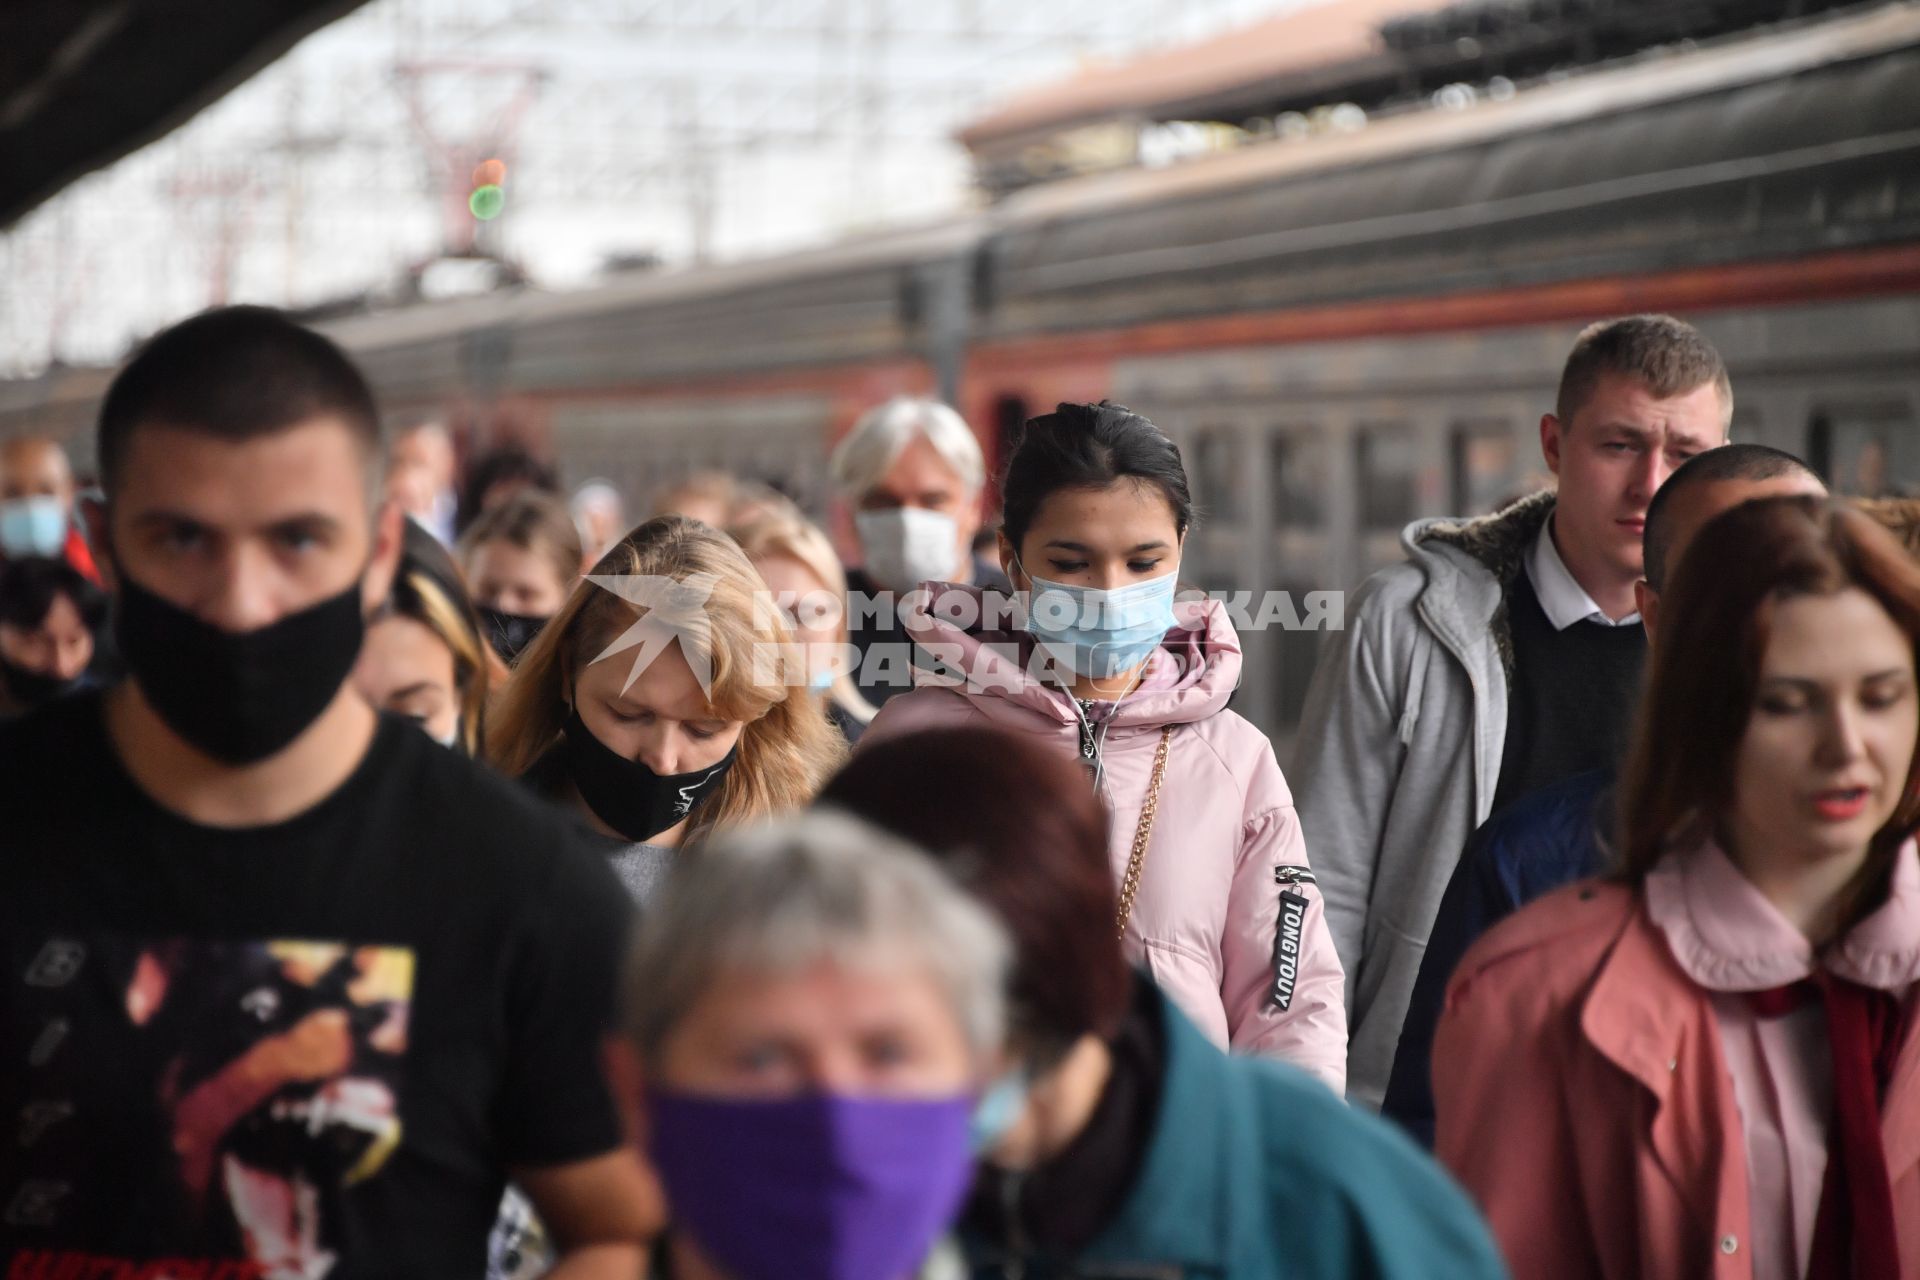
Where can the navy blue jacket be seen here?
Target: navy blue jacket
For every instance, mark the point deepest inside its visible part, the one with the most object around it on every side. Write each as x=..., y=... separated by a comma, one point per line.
x=1545, y=839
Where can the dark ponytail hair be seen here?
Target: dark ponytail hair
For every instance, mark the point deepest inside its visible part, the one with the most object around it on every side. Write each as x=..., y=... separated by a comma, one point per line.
x=1089, y=446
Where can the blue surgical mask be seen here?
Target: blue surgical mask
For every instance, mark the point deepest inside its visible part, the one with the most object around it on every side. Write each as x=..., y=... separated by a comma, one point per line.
x=1101, y=633
x=31, y=527
x=997, y=1111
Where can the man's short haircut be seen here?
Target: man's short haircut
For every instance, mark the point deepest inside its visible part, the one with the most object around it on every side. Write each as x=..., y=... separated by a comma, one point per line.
x=1752, y=462
x=1669, y=357
x=236, y=373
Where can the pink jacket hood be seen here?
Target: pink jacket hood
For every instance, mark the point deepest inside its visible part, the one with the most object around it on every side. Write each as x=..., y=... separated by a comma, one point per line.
x=1189, y=678
x=1216, y=921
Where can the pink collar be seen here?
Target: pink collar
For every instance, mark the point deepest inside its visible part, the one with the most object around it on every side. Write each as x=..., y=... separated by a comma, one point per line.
x=1726, y=936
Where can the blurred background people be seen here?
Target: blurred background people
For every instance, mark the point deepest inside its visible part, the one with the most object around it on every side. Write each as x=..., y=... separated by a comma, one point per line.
x=498, y=474
x=599, y=514
x=49, y=616
x=522, y=557
x=912, y=471
x=722, y=500
x=36, y=504
x=1712, y=1055
x=605, y=712
x=1117, y=1140
x=755, y=500
x=706, y=496
x=815, y=1009
x=421, y=474
x=798, y=564
x=424, y=656
x=1217, y=897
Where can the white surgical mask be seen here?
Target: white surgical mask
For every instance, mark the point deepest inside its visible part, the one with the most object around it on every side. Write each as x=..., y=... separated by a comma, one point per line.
x=906, y=546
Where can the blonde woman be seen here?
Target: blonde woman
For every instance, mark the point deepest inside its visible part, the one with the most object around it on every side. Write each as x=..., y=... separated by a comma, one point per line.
x=653, y=704
x=810, y=588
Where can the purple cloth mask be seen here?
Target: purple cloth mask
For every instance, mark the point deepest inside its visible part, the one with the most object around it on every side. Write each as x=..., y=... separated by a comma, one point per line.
x=814, y=1187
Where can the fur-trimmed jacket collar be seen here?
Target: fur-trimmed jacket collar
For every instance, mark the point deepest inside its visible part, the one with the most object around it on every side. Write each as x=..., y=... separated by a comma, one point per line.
x=1498, y=543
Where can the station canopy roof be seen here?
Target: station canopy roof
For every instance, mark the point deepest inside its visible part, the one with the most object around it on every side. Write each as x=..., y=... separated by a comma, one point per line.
x=1196, y=81
x=84, y=82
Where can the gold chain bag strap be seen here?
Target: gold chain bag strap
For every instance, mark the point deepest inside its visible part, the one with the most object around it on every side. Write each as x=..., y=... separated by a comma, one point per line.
x=1143, y=834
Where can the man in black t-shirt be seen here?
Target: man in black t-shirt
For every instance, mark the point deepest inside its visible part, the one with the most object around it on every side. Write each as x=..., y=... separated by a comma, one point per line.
x=288, y=989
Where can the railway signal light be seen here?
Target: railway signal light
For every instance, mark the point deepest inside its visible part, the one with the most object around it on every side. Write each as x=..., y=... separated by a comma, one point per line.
x=489, y=197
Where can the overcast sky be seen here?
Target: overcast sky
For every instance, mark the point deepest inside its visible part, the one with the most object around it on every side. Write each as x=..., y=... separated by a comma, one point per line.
x=670, y=127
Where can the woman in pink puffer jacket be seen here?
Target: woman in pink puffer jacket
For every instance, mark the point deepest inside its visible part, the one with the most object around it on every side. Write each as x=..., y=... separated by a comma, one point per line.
x=1103, y=662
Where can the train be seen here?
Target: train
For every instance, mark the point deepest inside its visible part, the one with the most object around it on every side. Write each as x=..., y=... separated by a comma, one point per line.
x=1344, y=332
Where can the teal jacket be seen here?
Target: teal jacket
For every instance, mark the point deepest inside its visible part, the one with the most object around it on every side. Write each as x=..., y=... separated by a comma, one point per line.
x=1257, y=1170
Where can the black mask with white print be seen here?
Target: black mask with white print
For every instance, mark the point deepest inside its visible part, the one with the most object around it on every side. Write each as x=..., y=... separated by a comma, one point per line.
x=626, y=795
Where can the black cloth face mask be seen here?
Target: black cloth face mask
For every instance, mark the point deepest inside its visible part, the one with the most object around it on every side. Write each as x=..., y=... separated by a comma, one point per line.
x=628, y=796
x=31, y=688
x=238, y=696
x=509, y=633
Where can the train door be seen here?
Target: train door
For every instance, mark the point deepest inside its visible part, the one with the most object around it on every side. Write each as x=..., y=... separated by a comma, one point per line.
x=1223, y=553
x=1864, y=443
x=1301, y=483
x=1493, y=457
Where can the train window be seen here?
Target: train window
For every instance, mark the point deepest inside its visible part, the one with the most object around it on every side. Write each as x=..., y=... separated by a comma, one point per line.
x=1216, y=473
x=1387, y=460
x=1486, y=466
x=1865, y=449
x=1009, y=420
x=1294, y=655
x=1298, y=464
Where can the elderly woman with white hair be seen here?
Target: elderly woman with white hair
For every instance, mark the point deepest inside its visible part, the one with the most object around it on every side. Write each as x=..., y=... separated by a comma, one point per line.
x=912, y=470
x=814, y=1011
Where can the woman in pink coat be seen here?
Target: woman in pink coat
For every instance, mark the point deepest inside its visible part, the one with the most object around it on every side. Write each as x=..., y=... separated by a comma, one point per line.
x=1094, y=655
x=1710, y=1065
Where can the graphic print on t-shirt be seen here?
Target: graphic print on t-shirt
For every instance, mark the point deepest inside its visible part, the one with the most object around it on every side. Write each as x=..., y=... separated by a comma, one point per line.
x=220, y=1098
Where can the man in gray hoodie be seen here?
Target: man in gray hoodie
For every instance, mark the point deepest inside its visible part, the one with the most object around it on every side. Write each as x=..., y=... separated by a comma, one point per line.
x=1502, y=656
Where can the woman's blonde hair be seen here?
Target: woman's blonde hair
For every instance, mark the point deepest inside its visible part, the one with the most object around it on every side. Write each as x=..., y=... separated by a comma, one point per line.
x=429, y=590
x=794, y=536
x=787, y=749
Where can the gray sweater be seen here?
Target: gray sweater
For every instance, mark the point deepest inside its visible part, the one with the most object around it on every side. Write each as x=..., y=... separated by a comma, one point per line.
x=641, y=868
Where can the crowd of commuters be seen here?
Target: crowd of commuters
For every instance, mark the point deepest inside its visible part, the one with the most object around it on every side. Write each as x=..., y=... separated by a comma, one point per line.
x=406, y=870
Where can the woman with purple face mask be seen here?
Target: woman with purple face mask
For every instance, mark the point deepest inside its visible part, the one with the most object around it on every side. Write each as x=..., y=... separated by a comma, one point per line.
x=814, y=1010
